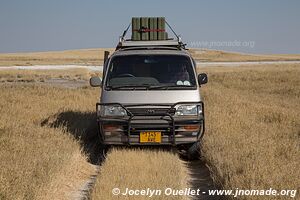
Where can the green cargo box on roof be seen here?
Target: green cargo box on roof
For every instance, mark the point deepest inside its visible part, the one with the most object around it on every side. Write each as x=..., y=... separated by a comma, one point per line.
x=148, y=28
x=135, y=25
x=161, y=25
x=153, y=27
x=145, y=28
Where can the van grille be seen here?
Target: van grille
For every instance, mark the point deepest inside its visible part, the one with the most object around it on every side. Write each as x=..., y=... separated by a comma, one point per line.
x=151, y=111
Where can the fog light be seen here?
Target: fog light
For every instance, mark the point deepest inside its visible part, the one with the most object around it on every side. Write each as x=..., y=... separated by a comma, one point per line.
x=112, y=128
x=191, y=128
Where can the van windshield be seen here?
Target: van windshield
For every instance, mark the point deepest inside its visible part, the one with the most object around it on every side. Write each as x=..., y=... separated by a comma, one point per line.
x=150, y=71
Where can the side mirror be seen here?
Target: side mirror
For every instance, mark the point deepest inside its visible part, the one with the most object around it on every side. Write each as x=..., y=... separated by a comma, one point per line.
x=202, y=79
x=96, y=81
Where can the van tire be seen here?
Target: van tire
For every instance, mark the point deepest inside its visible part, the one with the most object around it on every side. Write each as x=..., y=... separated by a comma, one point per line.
x=193, y=152
x=190, y=151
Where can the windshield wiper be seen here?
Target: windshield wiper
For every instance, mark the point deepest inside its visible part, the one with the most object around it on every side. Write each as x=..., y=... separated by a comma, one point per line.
x=129, y=86
x=154, y=87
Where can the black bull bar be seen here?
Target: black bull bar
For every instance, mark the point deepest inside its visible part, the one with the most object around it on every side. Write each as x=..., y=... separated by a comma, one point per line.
x=150, y=112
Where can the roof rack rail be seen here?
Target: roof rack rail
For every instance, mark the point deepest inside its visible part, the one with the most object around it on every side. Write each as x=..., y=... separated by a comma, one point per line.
x=149, y=47
x=170, y=42
x=152, y=43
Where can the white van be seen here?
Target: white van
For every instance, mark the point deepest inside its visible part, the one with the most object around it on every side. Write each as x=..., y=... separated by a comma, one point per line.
x=150, y=95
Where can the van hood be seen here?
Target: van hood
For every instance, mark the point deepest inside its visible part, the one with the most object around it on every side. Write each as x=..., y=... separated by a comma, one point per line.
x=150, y=97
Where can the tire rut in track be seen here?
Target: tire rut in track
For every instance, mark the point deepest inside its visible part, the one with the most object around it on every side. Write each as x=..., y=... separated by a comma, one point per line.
x=200, y=178
x=82, y=126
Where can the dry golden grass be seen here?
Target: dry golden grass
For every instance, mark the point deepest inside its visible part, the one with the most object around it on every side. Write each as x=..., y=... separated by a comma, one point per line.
x=77, y=57
x=43, y=75
x=253, y=126
x=252, y=139
x=41, y=162
x=223, y=56
x=95, y=57
x=140, y=169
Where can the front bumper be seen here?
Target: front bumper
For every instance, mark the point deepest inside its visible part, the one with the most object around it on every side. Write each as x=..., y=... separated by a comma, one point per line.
x=139, y=120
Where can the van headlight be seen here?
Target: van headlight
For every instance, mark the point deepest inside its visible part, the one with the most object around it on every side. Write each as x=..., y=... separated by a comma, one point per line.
x=111, y=111
x=188, y=110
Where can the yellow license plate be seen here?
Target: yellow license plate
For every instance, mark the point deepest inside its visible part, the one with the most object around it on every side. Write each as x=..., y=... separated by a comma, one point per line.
x=150, y=137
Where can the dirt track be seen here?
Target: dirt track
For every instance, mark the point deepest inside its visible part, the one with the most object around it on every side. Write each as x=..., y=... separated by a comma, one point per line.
x=198, y=172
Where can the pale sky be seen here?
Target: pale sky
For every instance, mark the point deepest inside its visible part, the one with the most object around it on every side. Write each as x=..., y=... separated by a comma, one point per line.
x=254, y=26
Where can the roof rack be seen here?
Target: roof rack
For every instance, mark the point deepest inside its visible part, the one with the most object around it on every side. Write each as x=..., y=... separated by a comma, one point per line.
x=150, y=44
x=131, y=44
x=149, y=47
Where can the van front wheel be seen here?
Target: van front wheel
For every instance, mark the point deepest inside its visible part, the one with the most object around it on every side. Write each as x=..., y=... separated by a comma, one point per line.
x=191, y=151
